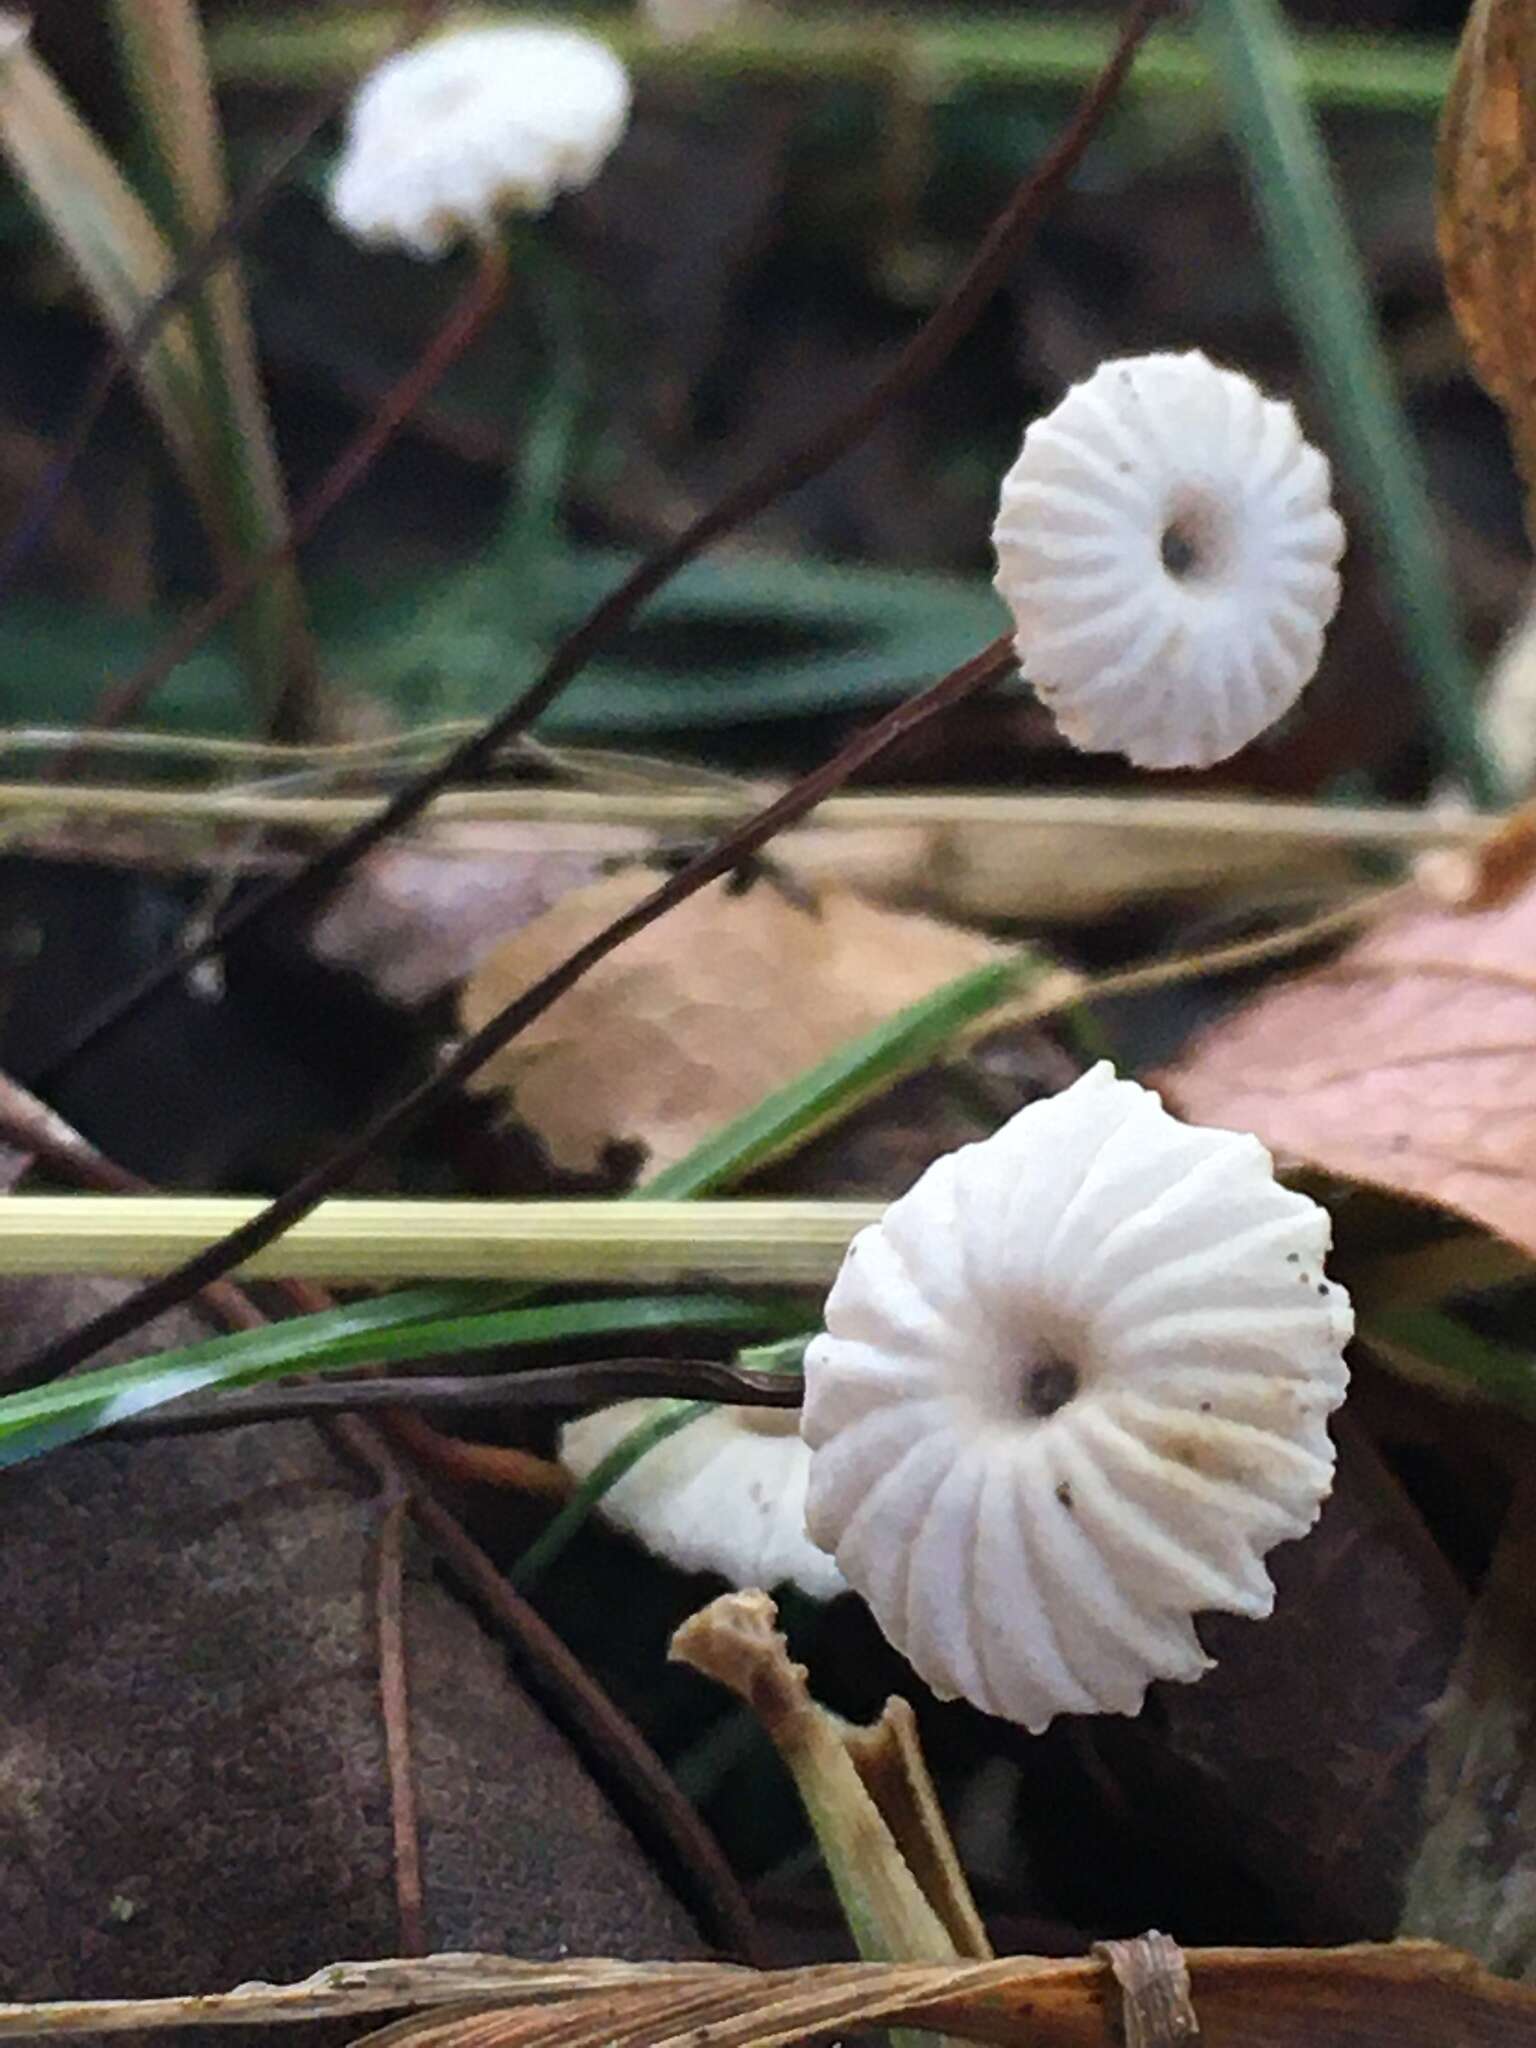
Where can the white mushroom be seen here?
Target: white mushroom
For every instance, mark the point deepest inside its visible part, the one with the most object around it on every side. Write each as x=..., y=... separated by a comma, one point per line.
x=725, y=1494
x=1169, y=552
x=1072, y=1388
x=445, y=137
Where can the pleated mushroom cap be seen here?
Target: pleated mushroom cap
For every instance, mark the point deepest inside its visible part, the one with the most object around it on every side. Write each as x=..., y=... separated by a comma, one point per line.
x=1071, y=1389
x=1168, y=548
x=447, y=137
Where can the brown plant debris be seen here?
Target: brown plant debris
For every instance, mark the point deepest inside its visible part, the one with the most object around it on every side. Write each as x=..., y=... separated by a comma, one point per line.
x=1399, y=1995
x=419, y=916
x=735, y=1640
x=888, y=1756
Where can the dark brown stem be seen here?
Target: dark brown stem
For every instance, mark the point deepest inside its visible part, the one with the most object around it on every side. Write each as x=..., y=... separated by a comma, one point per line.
x=395, y=1708
x=397, y=1118
x=466, y=319
x=507, y=1467
x=554, y=1386
x=36, y=1129
x=922, y=357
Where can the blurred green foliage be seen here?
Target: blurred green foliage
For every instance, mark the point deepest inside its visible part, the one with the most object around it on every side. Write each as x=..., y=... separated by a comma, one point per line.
x=748, y=638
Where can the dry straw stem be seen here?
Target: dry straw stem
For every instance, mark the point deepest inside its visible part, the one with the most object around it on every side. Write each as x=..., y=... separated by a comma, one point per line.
x=988, y=855
x=377, y=1242
x=1400, y=1995
x=113, y=244
x=269, y=1224
x=783, y=1243
x=735, y=1641
x=304, y=1195
x=888, y=1757
x=166, y=70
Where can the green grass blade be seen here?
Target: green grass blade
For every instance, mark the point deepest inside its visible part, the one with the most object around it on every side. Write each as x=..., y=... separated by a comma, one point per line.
x=840, y=1083
x=1320, y=277
x=665, y=1420
x=390, y=1329
x=1426, y=1342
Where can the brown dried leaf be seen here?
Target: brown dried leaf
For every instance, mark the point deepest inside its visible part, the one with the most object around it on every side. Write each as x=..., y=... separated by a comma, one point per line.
x=701, y=1014
x=1409, y=1062
x=420, y=914
x=194, y=1777
x=1486, y=214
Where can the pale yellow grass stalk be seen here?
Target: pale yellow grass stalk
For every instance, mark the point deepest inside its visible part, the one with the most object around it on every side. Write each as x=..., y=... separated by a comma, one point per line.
x=381, y=1242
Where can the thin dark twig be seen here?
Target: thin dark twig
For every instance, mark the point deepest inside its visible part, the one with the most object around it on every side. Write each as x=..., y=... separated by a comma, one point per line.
x=41, y=1131
x=463, y=1462
x=604, y=1729
x=466, y=318
x=33, y=1126
x=395, y=1708
x=922, y=357
x=555, y=1386
x=395, y=1119
x=192, y=272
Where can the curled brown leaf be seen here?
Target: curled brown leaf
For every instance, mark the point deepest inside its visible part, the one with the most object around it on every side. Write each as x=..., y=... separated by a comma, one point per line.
x=1486, y=211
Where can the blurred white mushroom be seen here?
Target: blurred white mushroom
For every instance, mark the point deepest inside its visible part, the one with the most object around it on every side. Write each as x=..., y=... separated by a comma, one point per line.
x=447, y=136
x=1072, y=1388
x=726, y=1494
x=1169, y=552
